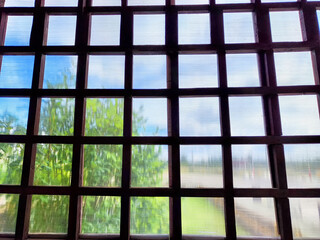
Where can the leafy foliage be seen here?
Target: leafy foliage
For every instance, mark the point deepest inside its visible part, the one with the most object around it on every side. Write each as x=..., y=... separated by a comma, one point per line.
x=102, y=167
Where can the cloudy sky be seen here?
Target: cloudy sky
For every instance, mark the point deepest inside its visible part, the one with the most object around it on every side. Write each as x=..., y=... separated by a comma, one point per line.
x=198, y=116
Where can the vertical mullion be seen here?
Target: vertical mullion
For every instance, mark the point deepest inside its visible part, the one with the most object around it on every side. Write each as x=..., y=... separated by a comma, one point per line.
x=273, y=122
x=217, y=33
x=77, y=157
x=126, y=41
x=24, y=207
x=173, y=120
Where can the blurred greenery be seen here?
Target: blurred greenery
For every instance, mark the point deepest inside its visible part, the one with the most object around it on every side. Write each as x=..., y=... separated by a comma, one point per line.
x=102, y=167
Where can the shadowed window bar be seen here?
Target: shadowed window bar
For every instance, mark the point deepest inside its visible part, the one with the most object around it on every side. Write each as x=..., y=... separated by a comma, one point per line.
x=259, y=33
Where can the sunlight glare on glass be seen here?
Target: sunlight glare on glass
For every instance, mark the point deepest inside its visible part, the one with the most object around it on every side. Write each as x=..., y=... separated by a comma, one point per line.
x=61, y=30
x=60, y=3
x=19, y=3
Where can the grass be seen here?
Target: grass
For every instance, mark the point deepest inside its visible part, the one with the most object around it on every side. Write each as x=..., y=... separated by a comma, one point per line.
x=201, y=216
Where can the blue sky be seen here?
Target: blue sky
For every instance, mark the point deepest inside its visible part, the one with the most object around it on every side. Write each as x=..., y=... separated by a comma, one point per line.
x=149, y=71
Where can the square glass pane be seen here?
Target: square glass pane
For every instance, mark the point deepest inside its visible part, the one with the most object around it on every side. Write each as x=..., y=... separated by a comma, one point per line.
x=102, y=165
x=60, y=3
x=53, y=165
x=201, y=166
x=61, y=30
x=305, y=217
x=16, y=71
x=149, y=166
x=60, y=72
x=242, y=70
x=149, y=29
x=146, y=2
x=302, y=165
x=11, y=159
x=106, y=71
x=285, y=26
x=49, y=214
x=299, y=115
x=194, y=28
x=19, y=3
x=250, y=165
x=255, y=217
x=100, y=215
x=149, y=71
x=238, y=27
x=14, y=115
x=202, y=216
x=18, y=30
x=191, y=2
x=105, y=30
x=106, y=3
x=104, y=117
x=56, y=116
x=149, y=117
x=149, y=215
x=198, y=71
x=246, y=116
x=9, y=211
x=294, y=68
x=199, y=116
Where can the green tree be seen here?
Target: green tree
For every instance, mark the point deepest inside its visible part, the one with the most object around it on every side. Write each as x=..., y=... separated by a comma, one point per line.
x=102, y=167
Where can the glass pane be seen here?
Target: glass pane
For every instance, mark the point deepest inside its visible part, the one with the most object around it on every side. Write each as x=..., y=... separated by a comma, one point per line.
x=246, y=116
x=53, y=165
x=60, y=72
x=106, y=72
x=104, y=117
x=201, y=166
x=16, y=71
x=56, y=116
x=199, y=116
x=102, y=165
x=62, y=3
x=106, y=2
x=149, y=29
x=242, y=70
x=198, y=71
x=105, y=30
x=302, y=165
x=18, y=31
x=149, y=166
x=146, y=2
x=194, y=28
x=14, y=115
x=238, y=27
x=100, y=214
x=250, y=165
x=61, y=30
x=255, y=217
x=18, y=3
x=285, y=26
x=294, y=68
x=202, y=216
x=305, y=217
x=11, y=159
x=191, y=2
x=49, y=214
x=149, y=71
x=149, y=117
x=9, y=211
x=299, y=115
x=149, y=215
